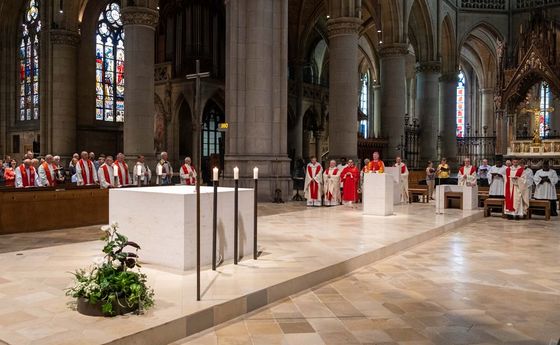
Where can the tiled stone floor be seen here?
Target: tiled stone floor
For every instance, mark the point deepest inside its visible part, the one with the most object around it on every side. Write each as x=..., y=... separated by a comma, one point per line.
x=492, y=282
x=320, y=243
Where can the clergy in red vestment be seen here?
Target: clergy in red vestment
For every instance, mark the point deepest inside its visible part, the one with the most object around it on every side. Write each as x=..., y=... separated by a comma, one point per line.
x=350, y=177
x=331, y=179
x=467, y=174
x=515, y=194
x=376, y=165
x=85, y=171
x=121, y=169
x=313, y=183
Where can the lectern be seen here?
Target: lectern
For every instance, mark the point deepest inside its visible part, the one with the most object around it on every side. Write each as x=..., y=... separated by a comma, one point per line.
x=378, y=194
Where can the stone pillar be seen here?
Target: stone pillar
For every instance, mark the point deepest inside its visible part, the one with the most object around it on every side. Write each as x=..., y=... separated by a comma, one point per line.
x=393, y=93
x=510, y=129
x=501, y=133
x=139, y=28
x=427, y=99
x=487, y=111
x=62, y=136
x=257, y=95
x=376, y=111
x=343, y=86
x=447, y=116
x=298, y=130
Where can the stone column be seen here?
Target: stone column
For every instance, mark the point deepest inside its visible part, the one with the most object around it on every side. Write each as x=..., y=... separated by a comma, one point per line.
x=501, y=133
x=62, y=135
x=393, y=93
x=257, y=94
x=447, y=116
x=298, y=130
x=139, y=28
x=376, y=111
x=427, y=99
x=487, y=110
x=343, y=86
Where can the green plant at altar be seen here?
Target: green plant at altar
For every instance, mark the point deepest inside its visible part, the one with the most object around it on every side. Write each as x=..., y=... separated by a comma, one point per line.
x=114, y=282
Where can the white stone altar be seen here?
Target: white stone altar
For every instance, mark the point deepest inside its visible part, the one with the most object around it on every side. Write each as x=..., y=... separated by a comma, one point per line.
x=378, y=194
x=163, y=221
x=397, y=188
x=470, y=196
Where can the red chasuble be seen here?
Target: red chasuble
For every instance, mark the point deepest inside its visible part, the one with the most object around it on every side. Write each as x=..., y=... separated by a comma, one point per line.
x=350, y=179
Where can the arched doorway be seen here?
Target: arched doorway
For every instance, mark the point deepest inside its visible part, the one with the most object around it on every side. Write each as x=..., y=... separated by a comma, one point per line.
x=213, y=140
x=185, y=131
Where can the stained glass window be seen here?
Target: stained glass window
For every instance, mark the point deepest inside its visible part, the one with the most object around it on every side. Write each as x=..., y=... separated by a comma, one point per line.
x=109, y=70
x=544, y=127
x=29, y=63
x=364, y=104
x=460, y=115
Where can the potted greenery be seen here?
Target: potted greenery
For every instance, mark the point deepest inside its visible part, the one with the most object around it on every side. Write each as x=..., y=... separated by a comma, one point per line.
x=111, y=286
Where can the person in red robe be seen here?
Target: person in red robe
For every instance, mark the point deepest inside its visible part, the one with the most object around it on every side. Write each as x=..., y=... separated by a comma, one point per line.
x=350, y=177
x=376, y=165
x=313, y=183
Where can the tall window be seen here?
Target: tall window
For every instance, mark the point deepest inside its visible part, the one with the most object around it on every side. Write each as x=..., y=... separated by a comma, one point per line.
x=544, y=126
x=460, y=115
x=364, y=104
x=109, y=54
x=29, y=63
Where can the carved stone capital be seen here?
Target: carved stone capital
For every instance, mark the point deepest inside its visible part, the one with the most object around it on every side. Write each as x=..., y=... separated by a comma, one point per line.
x=393, y=49
x=428, y=66
x=343, y=26
x=65, y=37
x=140, y=16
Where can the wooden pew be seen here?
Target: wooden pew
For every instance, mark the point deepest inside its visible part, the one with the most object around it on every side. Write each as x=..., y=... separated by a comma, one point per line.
x=492, y=204
x=540, y=205
x=39, y=209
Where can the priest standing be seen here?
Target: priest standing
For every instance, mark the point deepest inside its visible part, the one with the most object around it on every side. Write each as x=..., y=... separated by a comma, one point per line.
x=141, y=171
x=188, y=173
x=403, y=174
x=85, y=171
x=47, y=172
x=350, y=177
x=164, y=171
x=467, y=174
x=515, y=191
x=26, y=175
x=496, y=178
x=331, y=179
x=121, y=168
x=376, y=165
x=313, y=183
x=545, y=186
x=106, y=173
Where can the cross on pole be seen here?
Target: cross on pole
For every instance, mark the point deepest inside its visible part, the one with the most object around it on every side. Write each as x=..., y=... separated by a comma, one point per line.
x=198, y=127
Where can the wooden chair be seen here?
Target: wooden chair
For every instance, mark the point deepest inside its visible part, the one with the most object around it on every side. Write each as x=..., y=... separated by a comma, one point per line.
x=539, y=205
x=492, y=204
x=450, y=196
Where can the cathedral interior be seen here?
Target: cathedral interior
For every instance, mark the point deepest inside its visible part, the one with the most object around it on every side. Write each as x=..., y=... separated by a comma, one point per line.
x=290, y=79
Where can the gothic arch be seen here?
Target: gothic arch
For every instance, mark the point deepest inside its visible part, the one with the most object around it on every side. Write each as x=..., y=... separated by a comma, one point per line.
x=479, y=48
x=421, y=32
x=392, y=28
x=448, y=46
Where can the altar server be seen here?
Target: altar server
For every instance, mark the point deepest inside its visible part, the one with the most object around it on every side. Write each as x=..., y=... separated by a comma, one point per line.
x=47, y=172
x=528, y=178
x=331, y=179
x=483, y=170
x=403, y=174
x=141, y=171
x=496, y=178
x=515, y=191
x=350, y=178
x=467, y=174
x=106, y=173
x=313, y=183
x=188, y=173
x=376, y=165
x=85, y=171
x=164, y=171
x=545, y=186
x=26, y=175
x=121, y=168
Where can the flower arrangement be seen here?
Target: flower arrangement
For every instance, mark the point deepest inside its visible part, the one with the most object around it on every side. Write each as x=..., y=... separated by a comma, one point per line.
x=111, y=286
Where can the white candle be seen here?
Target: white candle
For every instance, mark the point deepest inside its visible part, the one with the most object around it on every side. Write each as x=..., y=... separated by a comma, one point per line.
x=215, y=174
x=236, y=173
x=138, y=170
x=159, y=170
x=255, y=173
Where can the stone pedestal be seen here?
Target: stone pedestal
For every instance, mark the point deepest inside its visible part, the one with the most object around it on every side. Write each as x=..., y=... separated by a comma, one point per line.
x=447, y=116
x=343, y=86
x=257, y=95
x=470, y=196
x=395, y=173
x=393, y=92
x=427, y=99
x=378, y=194
x=61, y=139
x=139, y=28
x=163, y=221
